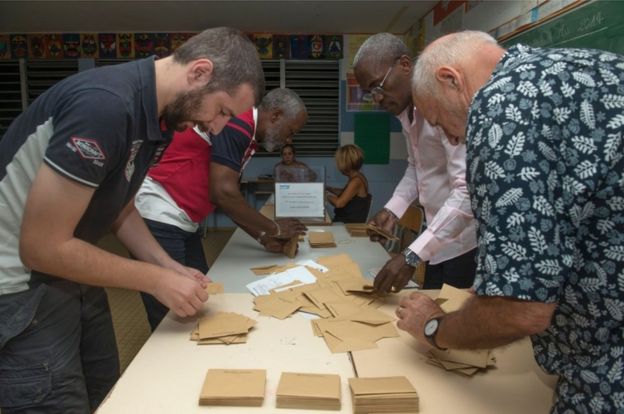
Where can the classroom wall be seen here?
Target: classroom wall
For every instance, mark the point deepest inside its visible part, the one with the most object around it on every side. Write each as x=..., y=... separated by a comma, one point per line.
x=383, y=179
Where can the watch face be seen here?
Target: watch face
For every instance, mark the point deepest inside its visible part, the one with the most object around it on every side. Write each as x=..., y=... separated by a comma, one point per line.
x=431, y=327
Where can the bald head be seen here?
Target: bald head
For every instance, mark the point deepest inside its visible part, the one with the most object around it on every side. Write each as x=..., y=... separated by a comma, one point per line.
x=447, y=75
x=459, y=49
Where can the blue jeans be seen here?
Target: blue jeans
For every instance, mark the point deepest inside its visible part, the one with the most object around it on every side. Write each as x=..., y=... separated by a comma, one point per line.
x=57, y=349
x=185, y=248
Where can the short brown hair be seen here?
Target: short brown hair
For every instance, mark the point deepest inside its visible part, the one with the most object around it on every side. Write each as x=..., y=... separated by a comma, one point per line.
x=235, y=59
x=349, y=158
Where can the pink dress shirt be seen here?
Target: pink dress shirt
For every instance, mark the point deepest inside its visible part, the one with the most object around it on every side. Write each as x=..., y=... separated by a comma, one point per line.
x=436, y=176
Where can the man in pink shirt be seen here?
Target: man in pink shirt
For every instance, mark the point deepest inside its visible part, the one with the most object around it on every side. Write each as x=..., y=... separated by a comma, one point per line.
x=435, y=176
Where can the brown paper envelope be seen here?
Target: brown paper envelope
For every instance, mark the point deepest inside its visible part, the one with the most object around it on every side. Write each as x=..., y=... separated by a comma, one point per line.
x=382, y=232
x=283, y=288
x=455, y=298
x=336, y=345
x=334, y=260
x=372, y=316
x=264, y=270
x=294, y=384
x=342, y=309
x=381, y=385
x=478, y=358
x=321, y=239
x=322, y=295
x=315, y=328
x=277, y=307
x=214, y=287
x=233, y=384
x=290, y=248
x=346, y=270
x=237, y=339
x=223, y=324
x=323, y=313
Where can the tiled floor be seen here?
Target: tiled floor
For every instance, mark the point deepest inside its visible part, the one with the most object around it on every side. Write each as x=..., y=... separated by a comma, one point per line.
x=129, y=318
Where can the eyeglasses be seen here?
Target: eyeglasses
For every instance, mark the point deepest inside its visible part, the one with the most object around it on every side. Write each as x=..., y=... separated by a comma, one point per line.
x=378, y=91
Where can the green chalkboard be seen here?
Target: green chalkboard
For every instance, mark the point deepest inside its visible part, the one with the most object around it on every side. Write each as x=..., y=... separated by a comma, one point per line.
x=598, y=25
x=372, y=134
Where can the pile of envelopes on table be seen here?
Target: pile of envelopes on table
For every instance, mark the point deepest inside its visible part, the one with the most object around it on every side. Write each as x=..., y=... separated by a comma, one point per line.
x=233, y=387
x=342, y=297
x=383, y=395
x=464, y=362
x=222, y=328
x=308, y=391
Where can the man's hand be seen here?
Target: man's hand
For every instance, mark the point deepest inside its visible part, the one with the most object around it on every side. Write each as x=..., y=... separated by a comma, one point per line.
x=394, y=275
x=384, y=219
x=189, y=272
x=182, y=294
x=274, y=245
x=288, y=228
x=414, y=311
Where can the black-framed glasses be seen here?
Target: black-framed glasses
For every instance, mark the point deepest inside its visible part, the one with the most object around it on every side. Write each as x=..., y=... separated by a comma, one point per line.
x=378, y=91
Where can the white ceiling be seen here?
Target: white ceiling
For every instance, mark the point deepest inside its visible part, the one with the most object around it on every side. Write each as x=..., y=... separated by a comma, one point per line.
x=286, y=16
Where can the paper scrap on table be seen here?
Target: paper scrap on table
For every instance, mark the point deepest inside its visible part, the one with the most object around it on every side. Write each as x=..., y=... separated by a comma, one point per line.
x=265, y=285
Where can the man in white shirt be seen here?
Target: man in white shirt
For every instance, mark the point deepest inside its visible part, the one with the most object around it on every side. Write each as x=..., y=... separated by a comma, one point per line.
x=435, y=176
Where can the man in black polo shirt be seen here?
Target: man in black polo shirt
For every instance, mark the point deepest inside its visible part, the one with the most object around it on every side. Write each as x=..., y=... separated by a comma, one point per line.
x=69, y=168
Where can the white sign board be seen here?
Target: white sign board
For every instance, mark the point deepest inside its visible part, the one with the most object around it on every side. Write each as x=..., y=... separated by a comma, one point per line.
x=299, y=200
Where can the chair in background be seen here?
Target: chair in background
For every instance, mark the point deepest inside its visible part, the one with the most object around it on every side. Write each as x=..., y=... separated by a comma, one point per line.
x=409, y=228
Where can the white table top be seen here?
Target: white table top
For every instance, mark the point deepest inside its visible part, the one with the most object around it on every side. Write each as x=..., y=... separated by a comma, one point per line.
x=517, y=385
x=167, y=374
x=243, y=252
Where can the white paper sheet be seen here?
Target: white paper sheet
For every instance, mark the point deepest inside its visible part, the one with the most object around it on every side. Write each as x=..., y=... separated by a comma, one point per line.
x=264, y=285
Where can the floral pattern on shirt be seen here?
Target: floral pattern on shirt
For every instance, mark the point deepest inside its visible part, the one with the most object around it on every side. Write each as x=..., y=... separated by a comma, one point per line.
x=546, y=177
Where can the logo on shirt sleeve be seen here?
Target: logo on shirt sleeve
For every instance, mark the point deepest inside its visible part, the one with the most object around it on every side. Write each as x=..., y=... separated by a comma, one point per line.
x=88, y=148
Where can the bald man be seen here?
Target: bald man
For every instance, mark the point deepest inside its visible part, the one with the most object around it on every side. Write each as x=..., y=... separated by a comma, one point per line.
x=544, y=130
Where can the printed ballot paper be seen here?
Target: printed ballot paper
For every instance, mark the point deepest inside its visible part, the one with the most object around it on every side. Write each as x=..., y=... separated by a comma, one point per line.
x=265, y=285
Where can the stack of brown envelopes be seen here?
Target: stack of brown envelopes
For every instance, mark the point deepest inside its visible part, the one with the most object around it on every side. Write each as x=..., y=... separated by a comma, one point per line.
x=309, y=391
x=463, y=362
x=321, y=239
x=383, y=395
x=233, y=387
x=357, y=229
x=222, y=328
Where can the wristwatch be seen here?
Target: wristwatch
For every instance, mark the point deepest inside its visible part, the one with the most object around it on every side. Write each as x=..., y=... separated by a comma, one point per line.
x=431, y=330
x=411, y=258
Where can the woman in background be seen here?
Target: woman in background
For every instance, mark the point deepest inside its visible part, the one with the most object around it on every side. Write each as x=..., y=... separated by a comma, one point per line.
x=353, y=201
x=289, y=170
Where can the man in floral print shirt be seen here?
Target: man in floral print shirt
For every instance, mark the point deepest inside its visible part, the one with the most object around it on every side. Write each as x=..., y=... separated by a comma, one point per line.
x=544, y=130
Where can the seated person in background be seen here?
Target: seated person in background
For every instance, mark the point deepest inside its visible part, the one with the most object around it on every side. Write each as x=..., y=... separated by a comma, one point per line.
x=289, y=170
x=199, y=172
x=353, y=201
